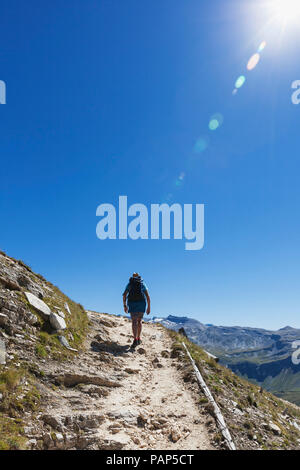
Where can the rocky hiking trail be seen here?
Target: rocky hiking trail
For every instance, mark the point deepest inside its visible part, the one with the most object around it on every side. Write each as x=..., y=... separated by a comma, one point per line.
x=110, y=397
x=68, y=380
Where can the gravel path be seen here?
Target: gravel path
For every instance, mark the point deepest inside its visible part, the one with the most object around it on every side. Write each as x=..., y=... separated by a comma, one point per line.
x=152, y=391
x=110, y=397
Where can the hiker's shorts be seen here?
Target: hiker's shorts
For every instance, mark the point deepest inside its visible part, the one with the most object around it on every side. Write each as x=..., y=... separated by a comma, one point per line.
x=137, y=309
x=137, y=316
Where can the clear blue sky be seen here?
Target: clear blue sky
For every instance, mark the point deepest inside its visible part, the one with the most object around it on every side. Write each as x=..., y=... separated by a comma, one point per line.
x=108, y=97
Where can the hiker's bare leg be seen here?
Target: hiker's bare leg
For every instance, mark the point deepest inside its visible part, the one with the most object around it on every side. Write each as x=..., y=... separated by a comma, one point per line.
x=139, y=327
x=134, y=328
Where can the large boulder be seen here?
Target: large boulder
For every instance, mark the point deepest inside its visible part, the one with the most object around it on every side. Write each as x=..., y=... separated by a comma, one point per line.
x=57, y=322
x=38, y=304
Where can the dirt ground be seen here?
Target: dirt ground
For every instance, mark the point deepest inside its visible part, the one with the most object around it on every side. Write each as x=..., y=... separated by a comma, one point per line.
x=146, y=403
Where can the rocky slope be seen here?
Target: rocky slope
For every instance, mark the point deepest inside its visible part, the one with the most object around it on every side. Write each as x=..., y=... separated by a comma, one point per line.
x=38, y=324
x=263, y=356
x=69, y=381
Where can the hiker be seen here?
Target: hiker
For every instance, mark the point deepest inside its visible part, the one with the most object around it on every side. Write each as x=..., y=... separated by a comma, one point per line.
x=134, y=301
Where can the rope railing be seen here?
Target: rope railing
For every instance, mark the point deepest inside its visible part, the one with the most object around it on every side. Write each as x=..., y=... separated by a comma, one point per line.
x=217, y=412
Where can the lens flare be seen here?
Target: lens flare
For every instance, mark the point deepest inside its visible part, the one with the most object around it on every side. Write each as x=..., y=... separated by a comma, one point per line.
x=180, y=180
x=215, y=121
x=201, y=144
x=261, y=46
x=253, y=61
x=213, y=124
x=240, y=81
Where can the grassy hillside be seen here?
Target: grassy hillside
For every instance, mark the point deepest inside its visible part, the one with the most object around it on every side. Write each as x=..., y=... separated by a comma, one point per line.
x=262, y=356
x=256, y=418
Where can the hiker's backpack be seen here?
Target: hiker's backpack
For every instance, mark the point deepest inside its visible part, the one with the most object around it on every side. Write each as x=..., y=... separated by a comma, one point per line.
x=135, y=293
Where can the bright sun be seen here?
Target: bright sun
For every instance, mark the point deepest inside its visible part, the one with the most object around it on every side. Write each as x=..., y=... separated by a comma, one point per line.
x=287, y=10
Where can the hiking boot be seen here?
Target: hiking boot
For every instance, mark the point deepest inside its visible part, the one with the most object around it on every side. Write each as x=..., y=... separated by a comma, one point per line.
x=139, y=341
x=134, y=344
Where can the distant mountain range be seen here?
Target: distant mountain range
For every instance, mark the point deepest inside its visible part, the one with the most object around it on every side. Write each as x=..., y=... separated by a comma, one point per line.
x=261, y=356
